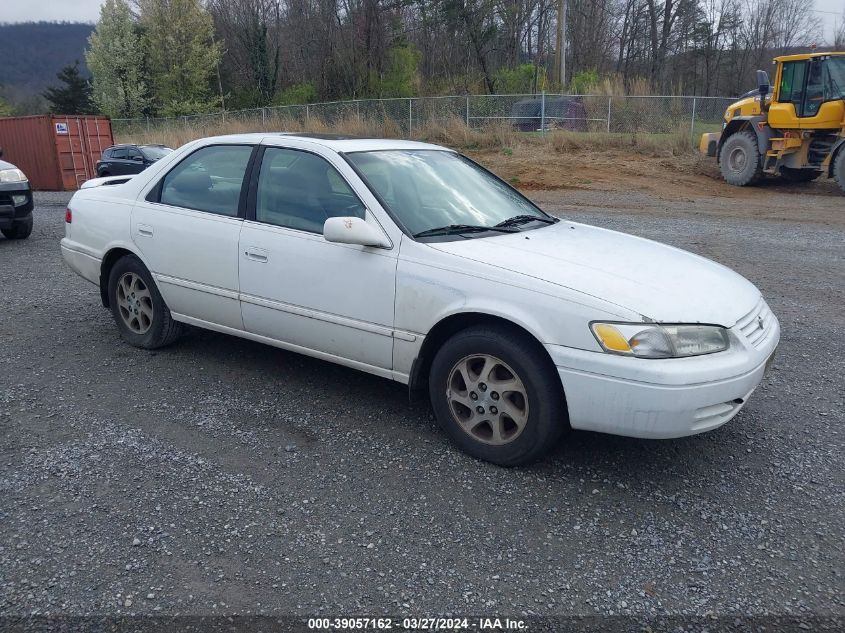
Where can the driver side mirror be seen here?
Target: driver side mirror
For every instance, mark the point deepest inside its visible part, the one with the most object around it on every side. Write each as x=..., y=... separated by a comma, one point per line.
x=352, y=230
x=763, y=87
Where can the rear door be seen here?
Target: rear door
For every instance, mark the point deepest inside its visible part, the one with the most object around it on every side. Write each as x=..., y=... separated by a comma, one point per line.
x=187, y=228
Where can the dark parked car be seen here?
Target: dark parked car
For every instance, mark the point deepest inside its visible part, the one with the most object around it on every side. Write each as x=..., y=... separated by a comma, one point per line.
x=119, y=160
x=15, y=202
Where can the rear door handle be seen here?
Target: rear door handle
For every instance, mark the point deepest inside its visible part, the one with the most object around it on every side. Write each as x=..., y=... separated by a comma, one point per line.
x=145, y=230
x=256, y=254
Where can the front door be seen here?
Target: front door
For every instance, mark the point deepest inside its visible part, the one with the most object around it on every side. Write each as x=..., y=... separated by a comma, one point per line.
x=332, y=299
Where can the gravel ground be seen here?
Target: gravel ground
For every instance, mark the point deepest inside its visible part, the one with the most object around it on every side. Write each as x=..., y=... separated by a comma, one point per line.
x=220, y=476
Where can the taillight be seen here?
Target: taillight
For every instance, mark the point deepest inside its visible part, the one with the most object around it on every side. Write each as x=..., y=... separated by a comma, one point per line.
x=68, y=215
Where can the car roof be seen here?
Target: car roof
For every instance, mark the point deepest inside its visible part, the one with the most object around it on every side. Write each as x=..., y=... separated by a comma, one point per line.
x=336, y=142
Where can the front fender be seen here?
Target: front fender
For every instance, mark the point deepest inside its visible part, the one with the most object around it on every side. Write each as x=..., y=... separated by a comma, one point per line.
x=756, y=124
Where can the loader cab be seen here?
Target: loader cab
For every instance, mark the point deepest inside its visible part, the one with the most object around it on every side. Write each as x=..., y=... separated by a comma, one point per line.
x=809, y=92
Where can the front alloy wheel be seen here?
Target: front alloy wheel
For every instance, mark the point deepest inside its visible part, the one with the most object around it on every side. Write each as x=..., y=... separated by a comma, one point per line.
x=488, y=399
x=497, y=394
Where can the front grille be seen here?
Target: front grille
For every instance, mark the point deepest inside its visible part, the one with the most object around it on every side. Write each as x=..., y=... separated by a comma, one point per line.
x=755, y=325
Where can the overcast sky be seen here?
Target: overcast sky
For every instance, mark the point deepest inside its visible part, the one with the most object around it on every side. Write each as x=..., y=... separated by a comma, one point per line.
x=89, y=10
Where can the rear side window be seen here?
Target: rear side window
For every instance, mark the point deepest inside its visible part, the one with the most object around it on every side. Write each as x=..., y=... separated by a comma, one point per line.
x=208, y=180
x=118, y=153
x=300, y=190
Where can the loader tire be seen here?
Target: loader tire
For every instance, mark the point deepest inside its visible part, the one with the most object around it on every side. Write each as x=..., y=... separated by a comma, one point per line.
x=739, y=159
x=839, y=169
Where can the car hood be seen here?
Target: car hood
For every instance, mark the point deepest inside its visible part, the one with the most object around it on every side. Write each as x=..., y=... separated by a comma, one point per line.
x=657, y=281
x=7, y=165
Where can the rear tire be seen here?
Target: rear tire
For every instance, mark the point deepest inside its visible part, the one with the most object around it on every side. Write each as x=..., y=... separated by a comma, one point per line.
x=19, y=230
x=497, y=395
x=142, y=317
x=799, y=175
x=839, y=169
x=739, y=159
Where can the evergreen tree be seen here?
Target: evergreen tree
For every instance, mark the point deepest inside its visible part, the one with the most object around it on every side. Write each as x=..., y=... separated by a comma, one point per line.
x=115, y=57
x=74, y=97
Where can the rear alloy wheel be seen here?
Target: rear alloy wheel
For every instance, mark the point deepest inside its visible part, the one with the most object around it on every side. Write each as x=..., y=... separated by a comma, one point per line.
x=138, y=308
x=739, y=159
x=839, y=169
x=497, y=395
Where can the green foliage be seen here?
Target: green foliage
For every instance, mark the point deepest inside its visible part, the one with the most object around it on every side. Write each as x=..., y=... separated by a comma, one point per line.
x=401, y=77
x=6, y=109
x=520, y=80
x=296, y=94
x=74, y=97
x=584, y=81
x=181, y=54
x=116, y=62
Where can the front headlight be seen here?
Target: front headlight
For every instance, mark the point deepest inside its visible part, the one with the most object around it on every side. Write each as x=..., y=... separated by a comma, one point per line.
x=646, y=340
x=12, y=175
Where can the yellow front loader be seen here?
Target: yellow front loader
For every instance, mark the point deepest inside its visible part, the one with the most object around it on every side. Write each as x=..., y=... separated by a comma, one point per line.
x=794, y=129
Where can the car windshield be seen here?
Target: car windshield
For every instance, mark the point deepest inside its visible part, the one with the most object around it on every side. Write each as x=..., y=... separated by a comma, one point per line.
x=154, y=152
x=431, y=189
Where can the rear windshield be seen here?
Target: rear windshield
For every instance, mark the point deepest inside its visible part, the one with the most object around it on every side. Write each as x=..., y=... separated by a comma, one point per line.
x=154, y=152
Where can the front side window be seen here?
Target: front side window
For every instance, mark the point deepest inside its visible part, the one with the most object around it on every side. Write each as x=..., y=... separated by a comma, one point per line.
x=209, y=180
x=428, y=189
x=792, y=83
x=300, y=190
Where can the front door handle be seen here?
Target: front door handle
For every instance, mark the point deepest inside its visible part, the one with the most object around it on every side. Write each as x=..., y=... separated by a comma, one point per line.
x=256, y=254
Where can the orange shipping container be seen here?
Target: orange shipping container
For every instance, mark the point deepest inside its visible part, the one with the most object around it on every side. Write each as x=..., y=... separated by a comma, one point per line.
x=56, y=152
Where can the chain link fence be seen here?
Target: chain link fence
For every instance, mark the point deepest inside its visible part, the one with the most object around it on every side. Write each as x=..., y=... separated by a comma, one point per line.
x=410, y=116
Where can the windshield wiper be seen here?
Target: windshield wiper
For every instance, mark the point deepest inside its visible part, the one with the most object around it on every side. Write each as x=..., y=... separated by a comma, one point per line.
x=524, y=219
x=455, y=229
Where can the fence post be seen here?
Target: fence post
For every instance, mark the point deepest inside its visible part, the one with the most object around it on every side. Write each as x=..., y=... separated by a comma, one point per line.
x=609, y=99
x=410, y=116
x=307, y=114
x=186, y=121
x=543, y=112
x=263, y=116
x=692, y=123
x=467, y=111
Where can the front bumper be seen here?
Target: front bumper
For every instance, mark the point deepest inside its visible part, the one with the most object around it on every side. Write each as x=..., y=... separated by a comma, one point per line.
x=662, y=398
x=11, y=213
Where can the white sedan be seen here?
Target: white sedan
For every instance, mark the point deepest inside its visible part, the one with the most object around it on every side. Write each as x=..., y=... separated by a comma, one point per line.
x=411, y=262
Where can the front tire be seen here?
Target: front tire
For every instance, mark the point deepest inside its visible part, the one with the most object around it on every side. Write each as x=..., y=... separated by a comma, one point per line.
x=19, y=230
x=739, y=159
x=839, y=169
x=142, y=317
x=497, y=395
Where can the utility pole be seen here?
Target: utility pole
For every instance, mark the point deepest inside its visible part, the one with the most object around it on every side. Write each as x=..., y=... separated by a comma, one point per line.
x=560, y=57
